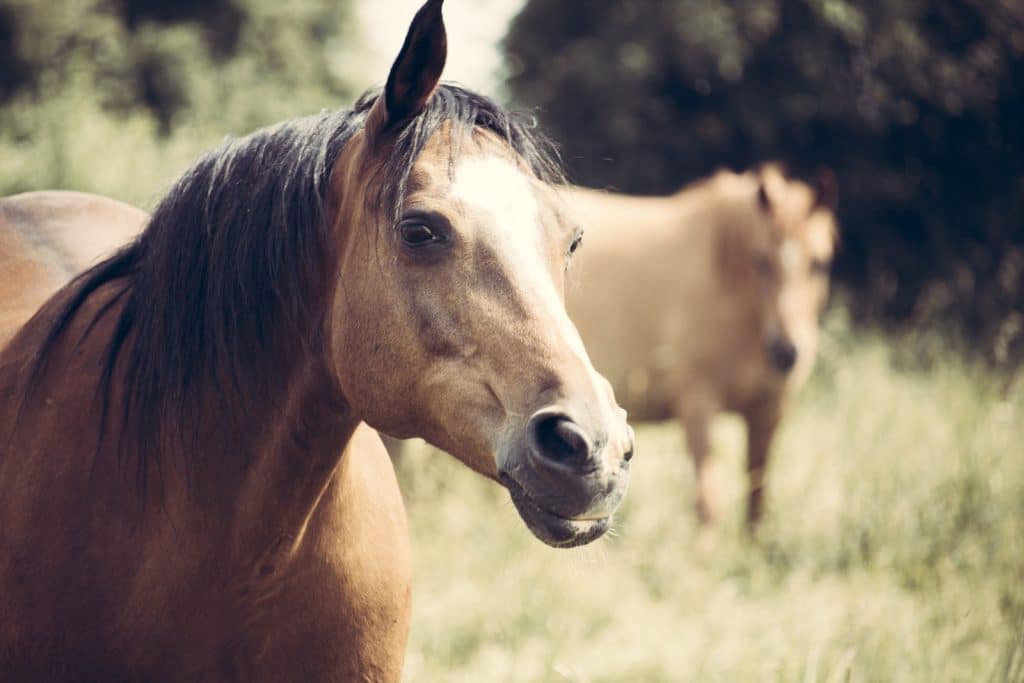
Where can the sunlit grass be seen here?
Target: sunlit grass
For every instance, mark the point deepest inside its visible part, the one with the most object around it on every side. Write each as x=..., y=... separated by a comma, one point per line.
x=893, y=550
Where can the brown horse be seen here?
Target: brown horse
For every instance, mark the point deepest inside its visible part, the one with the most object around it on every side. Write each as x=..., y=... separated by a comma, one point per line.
x=187, y=489
x=46, y=238
x=715, y=308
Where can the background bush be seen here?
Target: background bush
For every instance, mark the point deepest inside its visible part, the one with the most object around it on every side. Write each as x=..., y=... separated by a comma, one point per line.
x=917, y=104
x=117, y=96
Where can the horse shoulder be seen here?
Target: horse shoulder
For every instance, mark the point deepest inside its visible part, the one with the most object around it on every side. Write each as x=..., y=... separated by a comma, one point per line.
x=348, y=597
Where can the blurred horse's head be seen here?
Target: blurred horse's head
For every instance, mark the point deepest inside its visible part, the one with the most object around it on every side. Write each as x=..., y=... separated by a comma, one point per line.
x=776, y=262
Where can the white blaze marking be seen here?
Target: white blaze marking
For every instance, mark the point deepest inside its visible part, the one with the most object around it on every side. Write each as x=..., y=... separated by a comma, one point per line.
x=505, y=196
x=821, y=238
x=789, y=255
x=493, y=183
x=508, y=217
x=502, y=195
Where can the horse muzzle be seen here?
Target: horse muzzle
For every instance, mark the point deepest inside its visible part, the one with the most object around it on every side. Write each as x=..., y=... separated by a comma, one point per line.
x=783, y=355
x=565, y=479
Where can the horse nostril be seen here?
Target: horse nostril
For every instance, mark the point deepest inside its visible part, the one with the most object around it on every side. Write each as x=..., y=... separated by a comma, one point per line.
x=558, y=439
x=783, y=356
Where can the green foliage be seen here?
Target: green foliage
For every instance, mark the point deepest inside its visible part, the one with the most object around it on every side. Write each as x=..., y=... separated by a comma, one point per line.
x=117, y=96
x=893, y=551
x=917, y=104
x=180, y=61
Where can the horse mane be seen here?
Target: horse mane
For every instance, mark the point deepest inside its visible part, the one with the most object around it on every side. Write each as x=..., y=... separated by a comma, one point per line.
x=227, y=279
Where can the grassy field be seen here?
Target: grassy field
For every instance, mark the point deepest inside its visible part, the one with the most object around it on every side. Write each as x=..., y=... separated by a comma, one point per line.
x=893, y=550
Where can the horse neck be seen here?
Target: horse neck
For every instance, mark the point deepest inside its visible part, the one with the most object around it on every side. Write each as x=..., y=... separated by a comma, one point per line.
x=258, y=468
x=302, y=436
x=600, y=209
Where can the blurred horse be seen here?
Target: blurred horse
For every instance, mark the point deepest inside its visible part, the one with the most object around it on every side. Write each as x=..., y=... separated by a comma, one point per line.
x=187, y=488
x=706, y=301
x=46, y=238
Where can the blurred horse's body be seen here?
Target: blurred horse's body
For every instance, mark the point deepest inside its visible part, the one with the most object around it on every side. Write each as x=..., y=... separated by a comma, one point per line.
x=188, y=490
x=714, y=305
x=46, y=238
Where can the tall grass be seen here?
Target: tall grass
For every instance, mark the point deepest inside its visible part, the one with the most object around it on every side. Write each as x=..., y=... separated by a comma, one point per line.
x=893, y=549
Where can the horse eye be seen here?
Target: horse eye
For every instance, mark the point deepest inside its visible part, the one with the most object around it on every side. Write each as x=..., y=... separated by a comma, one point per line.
x=575, y=244
x=417, y=234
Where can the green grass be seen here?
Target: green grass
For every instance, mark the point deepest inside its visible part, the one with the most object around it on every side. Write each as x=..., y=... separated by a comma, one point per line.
x=893, y=548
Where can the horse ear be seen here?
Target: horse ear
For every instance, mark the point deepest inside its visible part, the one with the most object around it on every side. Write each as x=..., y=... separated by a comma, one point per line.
x=826, y=188
x=763, y=200
x=415, y=73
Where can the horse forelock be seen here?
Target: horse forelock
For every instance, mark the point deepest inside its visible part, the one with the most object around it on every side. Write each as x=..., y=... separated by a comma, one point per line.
x=230, y=276
x=461, y=113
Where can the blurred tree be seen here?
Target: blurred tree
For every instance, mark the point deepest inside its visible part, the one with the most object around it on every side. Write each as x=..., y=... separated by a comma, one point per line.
x=917, y=104
x=178, y=59
x=15, y=71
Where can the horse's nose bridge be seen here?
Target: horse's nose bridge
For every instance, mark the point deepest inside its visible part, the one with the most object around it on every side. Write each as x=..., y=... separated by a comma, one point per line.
x=776, y=318
x=565, y=375
x=586, y=395
x=793, y=307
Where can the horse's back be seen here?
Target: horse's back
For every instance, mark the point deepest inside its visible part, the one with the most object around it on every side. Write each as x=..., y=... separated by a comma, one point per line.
x=77, y=227
x=48, y=237
x=645, y=291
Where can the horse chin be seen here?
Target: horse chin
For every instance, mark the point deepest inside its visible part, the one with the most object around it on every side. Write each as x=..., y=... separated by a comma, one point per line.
x=549, y=526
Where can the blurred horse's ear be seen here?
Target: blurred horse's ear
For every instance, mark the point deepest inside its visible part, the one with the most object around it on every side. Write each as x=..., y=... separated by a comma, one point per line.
x=415, y=73
x=762, y=196
x=826, y=188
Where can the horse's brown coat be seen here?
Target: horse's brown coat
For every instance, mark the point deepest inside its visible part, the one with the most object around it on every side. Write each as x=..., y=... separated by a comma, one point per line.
x=682, y=301
x=268, y=539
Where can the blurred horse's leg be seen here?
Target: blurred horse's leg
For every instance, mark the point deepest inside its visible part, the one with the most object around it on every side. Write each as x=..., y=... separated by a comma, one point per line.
x=762, y=421
x=695, y=415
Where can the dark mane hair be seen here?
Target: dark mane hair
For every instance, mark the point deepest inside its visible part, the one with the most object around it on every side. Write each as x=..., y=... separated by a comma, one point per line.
x=228, y=278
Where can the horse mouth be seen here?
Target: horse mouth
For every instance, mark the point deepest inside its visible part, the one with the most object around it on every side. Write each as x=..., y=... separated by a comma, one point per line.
x=551, y=527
